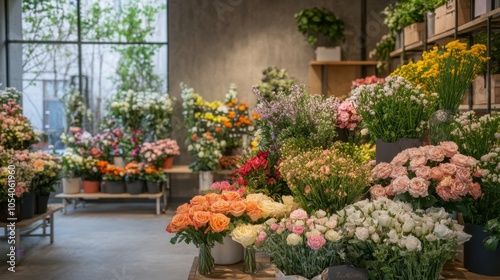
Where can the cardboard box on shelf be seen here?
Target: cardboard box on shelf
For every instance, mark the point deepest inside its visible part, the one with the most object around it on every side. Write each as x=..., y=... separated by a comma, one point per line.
x=445, y=15
x=414, y=33
x=328, y=54
x=480, y=92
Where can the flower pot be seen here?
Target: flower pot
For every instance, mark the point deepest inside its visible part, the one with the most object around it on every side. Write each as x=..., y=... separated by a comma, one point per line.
x=476, y=258
x=440, y=126
x=342, y=134
x=153, y=187
x=119, y=161
x=71, y=185
x=5, y=214
x=134, y=187
x=28, y=205
x=168, y=163
x=229, y=252
x=90, y=186
x=113, y=186
x=385, y=151
x=41, y=202
x=206, y=180
x=431, y=16
x=280, y=276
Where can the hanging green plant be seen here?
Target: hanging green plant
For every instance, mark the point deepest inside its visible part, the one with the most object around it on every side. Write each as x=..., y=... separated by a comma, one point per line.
x=318, y=23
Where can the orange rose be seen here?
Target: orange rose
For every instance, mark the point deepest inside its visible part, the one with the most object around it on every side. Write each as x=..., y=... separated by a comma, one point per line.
x=253, y=210
x=196, y=208
x=183, y=209
x=219, y=222
x=231, y=195
x=201, y=218
x=220, y=206
x=231, y=115
x=198, y=200
x=237, y=208
x=213, y=197
x=178, y=223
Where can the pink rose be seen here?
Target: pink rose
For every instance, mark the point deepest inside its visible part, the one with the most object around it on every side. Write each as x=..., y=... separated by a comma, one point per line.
x=475, y=190
x=423, y=172
x=436, y=153
x=419, y=187
x=463, y=160
x=459, y=188
x=383, y=170
x=389, y=190
x=478, y=172
x=298, y=229
x=377, y=191
x=463, y=174
x=298, y=214
x=444, y=192
x=316, y=242
x=415, y=152
x=417, y=162
x=398, y=171
x=401, y=184
x=450, y=148
x=446, y=181
x=448, y=168
x=437, y=173
x=274, y=226
x=401, y=158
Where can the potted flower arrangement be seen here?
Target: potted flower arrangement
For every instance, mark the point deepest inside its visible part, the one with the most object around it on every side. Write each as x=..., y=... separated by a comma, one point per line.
x=113, y=179
x=318, y=24
x=23, y=174
x=91, y=174
x=160, y=153
x=429, y=176
x=134, y=178
x=347, y=120
x=302, y=244
x=17, y=132
x=389, y=239
x=47, y=171
x=154, y=178
x=108, y=141
x=71, y=163
x=395, y=112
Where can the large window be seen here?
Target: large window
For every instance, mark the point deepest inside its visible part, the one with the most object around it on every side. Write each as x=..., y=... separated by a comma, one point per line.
x=92, y=47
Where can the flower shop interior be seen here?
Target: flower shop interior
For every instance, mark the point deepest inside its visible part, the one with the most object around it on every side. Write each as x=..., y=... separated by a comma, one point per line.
x=237, y=139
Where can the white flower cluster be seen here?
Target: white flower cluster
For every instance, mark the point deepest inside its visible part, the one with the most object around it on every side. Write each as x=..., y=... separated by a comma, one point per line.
x=385, y=221
x=490, y=163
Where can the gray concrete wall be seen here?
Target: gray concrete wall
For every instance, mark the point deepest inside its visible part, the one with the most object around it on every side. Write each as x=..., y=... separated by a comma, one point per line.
x=217, y=42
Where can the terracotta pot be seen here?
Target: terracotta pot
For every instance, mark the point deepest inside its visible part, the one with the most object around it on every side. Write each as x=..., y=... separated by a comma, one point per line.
x=168, y=163
x=90, y=186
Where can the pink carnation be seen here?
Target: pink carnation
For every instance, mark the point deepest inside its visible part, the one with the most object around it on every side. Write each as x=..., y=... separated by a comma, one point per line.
x=298, y=214
x=316, y=242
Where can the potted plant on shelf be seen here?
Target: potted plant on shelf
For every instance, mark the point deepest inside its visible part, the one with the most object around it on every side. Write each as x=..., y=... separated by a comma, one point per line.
x=160, y=153
x=71, y=163
x=154, y=178
x=134, y=183
x=91, y=174
x=113, y=179
x=47, y=169
x=321, y=27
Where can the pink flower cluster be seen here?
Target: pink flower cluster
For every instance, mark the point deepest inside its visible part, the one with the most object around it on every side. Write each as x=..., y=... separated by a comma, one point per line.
x=158, y=151
x=428, y=170
x=367, y=81
x=347, y=116
x=219, y=187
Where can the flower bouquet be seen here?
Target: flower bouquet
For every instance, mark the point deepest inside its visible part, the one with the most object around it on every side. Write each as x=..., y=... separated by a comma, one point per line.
x=71, y=163
x=325, y=179
x=152, y=174
x=157, y=152
x=206, y=150
x=113, y=178
x=47, y=171
x=17, y=132
x=392, y=241
x=108, y=141
x=14, y=163
x=428, y=176
x=302, y=244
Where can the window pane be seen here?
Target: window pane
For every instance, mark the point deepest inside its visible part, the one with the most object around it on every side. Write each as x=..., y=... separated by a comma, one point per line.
x=124, y=20
x=109, y=68
x=53, y=20
x=47, y=73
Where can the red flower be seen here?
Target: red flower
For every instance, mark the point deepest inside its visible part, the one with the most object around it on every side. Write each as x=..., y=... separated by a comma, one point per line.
x=241, y=181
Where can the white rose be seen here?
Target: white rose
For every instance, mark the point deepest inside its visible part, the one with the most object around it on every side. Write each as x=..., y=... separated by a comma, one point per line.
x=362, y=233
x=408, y=225
x=385, y=220
x=267, y=208
x=293, y=239
x=332, y=235
x=442, y=231
x=313, y=232
x=412, y=243
x=375, y=237
x=321, y=228
x=462, y=237
x=320, y=213
x=393, y=236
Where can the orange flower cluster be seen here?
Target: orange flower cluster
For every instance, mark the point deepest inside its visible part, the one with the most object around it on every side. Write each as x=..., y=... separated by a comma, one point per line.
x=150, y=169
x=214, y=211
x=110, y=171
x=238, y=114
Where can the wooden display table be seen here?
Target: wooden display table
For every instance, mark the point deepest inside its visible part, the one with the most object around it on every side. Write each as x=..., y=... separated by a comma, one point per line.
x=47, y=219
x=95, y=196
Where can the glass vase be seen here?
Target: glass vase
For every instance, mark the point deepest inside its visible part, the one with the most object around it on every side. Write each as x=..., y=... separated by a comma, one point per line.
x=440, y=126
x=249, y=261
x=206, y=263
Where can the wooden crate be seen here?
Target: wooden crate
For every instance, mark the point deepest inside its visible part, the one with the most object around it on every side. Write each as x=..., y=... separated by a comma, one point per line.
x=414, y=33
x=480, y=93
x=445, y=15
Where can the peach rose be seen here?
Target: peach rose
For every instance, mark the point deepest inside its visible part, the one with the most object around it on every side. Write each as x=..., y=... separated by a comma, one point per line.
x=446, y=181
x=195, y=208
x=253, y=210
x=178, y=223
x=478, y=172
x=398, y=171
x=377, y=191
x=459, y=188
x=450, y=148
x=461, y=160
x=231, y=195
x=219, y=222
x=213, y=197
x=201, y=218
x=237, y=208
x=401, y=184
x=415, y=152
x=383, y=170
x=220, y=206
x=475, y=190
x=183, y=209
x=463, y=174
x=436, y=153
x=401, y=158
x=448, y=168
x=419, y=187
x=423, y=172
x=436, y=173
x=444, y=192
x=417, y=162
x=389, y=190
x=198, y=200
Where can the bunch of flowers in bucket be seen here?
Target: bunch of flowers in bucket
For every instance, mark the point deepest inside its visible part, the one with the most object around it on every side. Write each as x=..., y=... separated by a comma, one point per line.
x=429, y=175
x=157, y=152
x=17, y=161
x=152, y=174
x=302, y=244
x=47, y=171
x=112, y=172
x=389, y=239
x=206, y=150
x=17, y=132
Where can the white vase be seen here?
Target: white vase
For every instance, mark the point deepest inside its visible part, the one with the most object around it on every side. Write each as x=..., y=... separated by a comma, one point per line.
x=119, y=161
x=229, y=252
x=206, y=180
x=430, y=23
x=71, y=185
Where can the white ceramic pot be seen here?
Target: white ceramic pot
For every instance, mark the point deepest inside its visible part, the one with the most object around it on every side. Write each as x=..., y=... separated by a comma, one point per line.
x=71, y=185
x=230, y=252
x=206, y=180
x=119, y=162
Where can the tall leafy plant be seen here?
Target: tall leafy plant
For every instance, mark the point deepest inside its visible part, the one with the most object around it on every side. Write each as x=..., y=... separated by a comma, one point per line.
x=319, y=23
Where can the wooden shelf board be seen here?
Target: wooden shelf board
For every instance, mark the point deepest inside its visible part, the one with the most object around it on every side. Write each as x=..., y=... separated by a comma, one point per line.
x=396, y=53
x=414, y=46
x=494, y=107
x=109, y=195
x=345, y=63
x=441, y=36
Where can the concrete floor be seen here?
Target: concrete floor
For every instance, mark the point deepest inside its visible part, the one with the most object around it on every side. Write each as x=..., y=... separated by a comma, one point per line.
x=108, y=241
